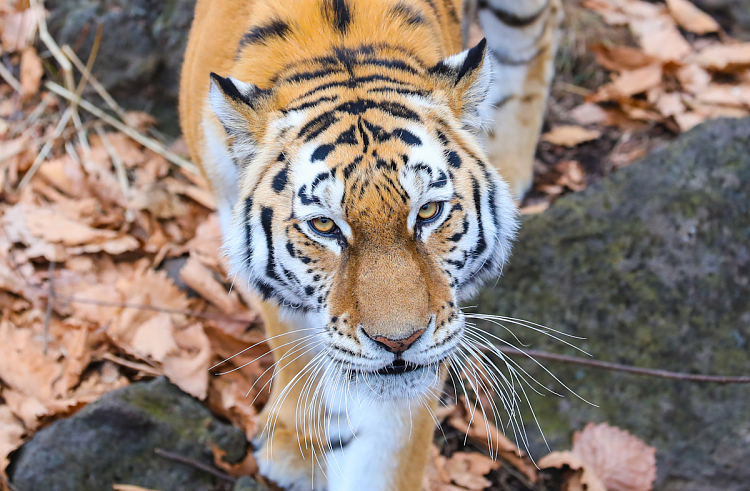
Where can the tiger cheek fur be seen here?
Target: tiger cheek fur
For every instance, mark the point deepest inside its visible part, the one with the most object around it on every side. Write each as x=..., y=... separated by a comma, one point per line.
x=339, y=138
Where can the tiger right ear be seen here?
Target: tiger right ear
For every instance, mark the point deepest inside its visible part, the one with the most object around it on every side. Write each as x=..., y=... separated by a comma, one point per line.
x=466, y=78
x=239, y=108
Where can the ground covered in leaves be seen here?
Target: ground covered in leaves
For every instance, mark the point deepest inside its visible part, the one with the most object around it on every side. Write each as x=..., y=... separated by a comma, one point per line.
x=109, y=263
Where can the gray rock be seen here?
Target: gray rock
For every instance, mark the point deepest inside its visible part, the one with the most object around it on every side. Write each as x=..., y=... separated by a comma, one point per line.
x=113, y=440
x=141, y=51
x=247, y=484
x=733, y=15
x=652, y=267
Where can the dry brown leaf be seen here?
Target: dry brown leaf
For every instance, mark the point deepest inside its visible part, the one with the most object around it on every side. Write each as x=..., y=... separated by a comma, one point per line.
x=11, y=433
x=620, y=58
x=202, y=280
x=31, y=73
x=486, y=434
x=17, y=29
x=468, y=470
x=27, y=409
x=660, y=38
x=631, y=82
x=570, y=136
x=188, y=367
x=725, y=57
x=725, y=95
x=589, y=113
x=622, y=461
x=572, y=175
x=582, y=477
x=247, y=467
x=535, y=209
x=691, y=18
x=693, y=78
x=670, y=104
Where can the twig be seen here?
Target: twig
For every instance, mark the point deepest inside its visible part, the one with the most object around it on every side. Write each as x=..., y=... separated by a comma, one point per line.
x=122, y=176
x=50, y=301
x=142, y=367
x=8, y=77
x=98, y=87
x=147, y=142
x=616, y=367
x=48, y=41
x=46, y=149
x=195, y=463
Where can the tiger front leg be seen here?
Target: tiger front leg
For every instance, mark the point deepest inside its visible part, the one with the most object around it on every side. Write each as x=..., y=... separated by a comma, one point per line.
x=522, y=37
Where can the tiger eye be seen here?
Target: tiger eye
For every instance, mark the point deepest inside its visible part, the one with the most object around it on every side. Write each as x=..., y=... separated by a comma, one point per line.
x=428, y=211
x=323, y=225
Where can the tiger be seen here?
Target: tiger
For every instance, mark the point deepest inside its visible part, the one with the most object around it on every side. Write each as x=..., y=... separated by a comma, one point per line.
x=365, y=165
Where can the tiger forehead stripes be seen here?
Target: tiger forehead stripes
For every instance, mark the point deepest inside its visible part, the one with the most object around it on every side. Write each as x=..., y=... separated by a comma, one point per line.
x=339, y=138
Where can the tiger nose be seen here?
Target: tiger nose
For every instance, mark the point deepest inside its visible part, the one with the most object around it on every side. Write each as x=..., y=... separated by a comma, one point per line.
x=396, y=346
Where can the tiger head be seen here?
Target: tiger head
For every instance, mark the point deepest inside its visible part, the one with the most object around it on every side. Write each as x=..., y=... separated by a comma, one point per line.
x=366, y=206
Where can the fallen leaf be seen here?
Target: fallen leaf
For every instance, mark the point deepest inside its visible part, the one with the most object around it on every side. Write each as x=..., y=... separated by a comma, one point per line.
x=631, y=82
x=589, y=113
x=31, y=73
x=691, y=18
x=202, y=280
x=583, y=478
x=468, y=470
x=570, y=136
x=620, y=460
x=18, y=29
x=188, y=367
x=693, y=78
x=660, y=38
x=725, y=95
x=11, y=433
x=620, y=58
x=725, y=57
x=572, y=175
x=670, y=104
x=247, y=467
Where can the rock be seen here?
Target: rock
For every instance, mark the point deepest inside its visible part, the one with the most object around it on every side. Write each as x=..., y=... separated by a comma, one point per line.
x=112, y=441
x=247, y=484
x=141, y=49
x=652, y=267
x=733, y=15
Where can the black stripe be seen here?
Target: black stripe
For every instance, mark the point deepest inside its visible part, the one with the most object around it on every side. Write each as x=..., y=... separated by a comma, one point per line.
x=407, y=137
x=312, y=103
x=266, y=217
x=280, y=180
x=248, y=228
x=393, y=108
x=353, y=83
x=338, y=14
x=513, y=20
x=451, y=10
x=317, y=125
x=406, y=12
x=277, y=28
x=454, y=160
x=482, y=243
x=349, y=137
x=305, y=76
x=321, y=152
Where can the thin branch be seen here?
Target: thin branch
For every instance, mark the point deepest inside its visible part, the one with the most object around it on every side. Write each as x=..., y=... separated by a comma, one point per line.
x=195, y=463
x=9, y=78
x=147, y=142
x=616, y=367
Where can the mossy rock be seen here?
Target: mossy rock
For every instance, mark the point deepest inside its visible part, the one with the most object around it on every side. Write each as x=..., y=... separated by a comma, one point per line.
x=652, y=267
x=113, y=441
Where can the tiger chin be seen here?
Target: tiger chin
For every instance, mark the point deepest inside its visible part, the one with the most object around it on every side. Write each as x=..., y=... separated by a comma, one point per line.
x=342, y=141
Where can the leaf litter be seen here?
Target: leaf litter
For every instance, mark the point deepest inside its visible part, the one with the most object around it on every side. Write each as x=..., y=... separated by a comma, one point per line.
x=110, y=271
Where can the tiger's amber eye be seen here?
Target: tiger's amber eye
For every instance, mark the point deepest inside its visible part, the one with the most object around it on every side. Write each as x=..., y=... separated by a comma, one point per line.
x=428, y=211
x=323, y=225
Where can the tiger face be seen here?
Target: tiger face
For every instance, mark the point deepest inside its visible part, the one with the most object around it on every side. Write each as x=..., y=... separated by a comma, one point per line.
x=366, y=206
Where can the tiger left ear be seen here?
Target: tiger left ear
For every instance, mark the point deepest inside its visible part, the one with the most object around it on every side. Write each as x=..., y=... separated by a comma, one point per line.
x=466, y=78
x=239, y=107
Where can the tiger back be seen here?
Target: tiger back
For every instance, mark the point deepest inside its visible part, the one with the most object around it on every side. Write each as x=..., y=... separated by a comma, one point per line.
x=343, y=142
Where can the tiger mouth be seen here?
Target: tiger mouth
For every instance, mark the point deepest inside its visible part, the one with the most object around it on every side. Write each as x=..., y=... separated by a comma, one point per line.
x=399, y=367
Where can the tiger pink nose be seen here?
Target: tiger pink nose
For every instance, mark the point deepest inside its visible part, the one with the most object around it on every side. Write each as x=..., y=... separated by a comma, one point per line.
x=397, y=346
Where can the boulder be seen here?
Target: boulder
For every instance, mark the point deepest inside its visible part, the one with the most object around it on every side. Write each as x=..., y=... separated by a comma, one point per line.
x=113, y=441
x=652, y=266
x=141, y=50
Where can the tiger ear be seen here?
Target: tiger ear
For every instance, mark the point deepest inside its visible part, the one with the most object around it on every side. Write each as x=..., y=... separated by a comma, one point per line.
x=467, y=78
x=238, y=106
